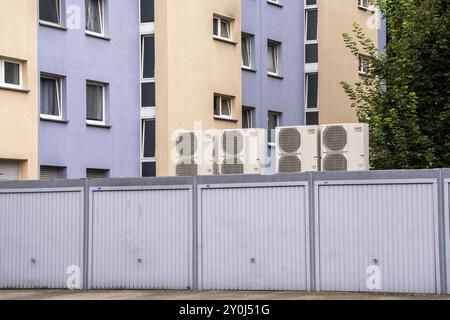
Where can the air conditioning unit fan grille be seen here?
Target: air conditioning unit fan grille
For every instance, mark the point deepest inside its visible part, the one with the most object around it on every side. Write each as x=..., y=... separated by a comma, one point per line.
x=232, y=166
x=289, y=164
x=335, y=138
x=289, y=140
x=187, y=144
x=232, y=142
x=185, y=169
x=335, y=162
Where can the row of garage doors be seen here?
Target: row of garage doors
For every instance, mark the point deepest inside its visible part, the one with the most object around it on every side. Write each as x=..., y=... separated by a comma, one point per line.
x=249, y=237
x=9, y=170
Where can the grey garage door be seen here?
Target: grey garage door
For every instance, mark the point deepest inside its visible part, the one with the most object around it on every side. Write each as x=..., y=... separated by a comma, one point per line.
x=141, y=239
x=9, y=170
x=254, y=238
x=379, y=237
x=41, y=237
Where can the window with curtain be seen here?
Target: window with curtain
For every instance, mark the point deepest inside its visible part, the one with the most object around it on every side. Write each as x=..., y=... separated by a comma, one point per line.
x=222, y=28
x=94, y=16
x=222, y=106
x=95, y=103
x=50, y=97
x=272, y=55
x=247, y=50
x=49, y=11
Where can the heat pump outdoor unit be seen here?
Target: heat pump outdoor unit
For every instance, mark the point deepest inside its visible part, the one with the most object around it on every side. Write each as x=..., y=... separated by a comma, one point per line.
x=241, y=151
x=345, y=147
x=196, y=153
x=297, y=149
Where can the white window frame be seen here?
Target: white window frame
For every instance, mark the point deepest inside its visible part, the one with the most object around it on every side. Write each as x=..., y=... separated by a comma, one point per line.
x=276, y=45
x=364, y=4
x=3, y=74
x=52, y=24
x=277, y=2
x=102, y=20
x=143, y=58
x=58, y=96
x=248, y=41
x=220, y=115
x=272, y=134
x=250, y=112
x=362, y=68
x=103, y=86
x=219, y=28
x=307, y=93
x=143, y=158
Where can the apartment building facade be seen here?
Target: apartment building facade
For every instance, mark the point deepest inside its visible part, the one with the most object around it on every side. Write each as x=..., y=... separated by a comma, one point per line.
x=105, y=85
x=89, y=70
x=18, y=90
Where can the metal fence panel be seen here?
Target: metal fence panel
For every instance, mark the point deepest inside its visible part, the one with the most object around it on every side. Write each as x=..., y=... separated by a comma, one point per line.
x=382, y=231
x=254, y=237
x=41, y=236
x=141, y=238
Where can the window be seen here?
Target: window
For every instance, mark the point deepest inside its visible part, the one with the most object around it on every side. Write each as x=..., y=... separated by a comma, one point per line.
x=52, y=173
x=247, y=117
x=95, y=16
x=147, y=11
x=10, y=74
x=222, y=28
x=148, y=57
x=97, y=173
x=148, y=94
x=222, y=106
x=312, y=118
x=363, y=65
x=311, y=25
x=51, y=98
x=247, y=50
x=149, y=169
x=272, y=55
x=312, y=90
x=364, y=4
x=274, y=122
x=50, y=11
x=148, y=139
x=95, y=103
x=311, y=2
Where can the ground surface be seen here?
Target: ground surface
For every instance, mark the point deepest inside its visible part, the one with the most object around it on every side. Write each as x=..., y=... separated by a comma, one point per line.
x=192, y=295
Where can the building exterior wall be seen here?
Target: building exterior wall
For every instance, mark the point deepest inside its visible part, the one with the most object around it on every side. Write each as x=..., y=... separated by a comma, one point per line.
x=191, y=66
x=336, y=63
x=18, y=109
x=72, y=54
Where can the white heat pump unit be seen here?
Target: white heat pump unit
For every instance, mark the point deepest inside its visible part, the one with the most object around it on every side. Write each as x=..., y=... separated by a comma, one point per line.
x=345, y=147
x=297, y=149
x=196, y=153
x=241, y=151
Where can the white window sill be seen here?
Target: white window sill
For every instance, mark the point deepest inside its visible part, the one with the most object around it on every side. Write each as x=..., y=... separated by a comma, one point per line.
x=226, y=40
x=14, y=88
x=275, y=75
x=225, y=118
x=277, y=4
x=98, y=124
x=52, y=25
x=44, y=117
x=97, y=35
x=366, y=9
x=250, y=69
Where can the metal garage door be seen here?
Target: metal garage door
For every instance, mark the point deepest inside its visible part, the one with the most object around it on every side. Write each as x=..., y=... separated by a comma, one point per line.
x=377, y=237
x=141, y=239
x=9, y=170
x=41, y=238
x=254, y=238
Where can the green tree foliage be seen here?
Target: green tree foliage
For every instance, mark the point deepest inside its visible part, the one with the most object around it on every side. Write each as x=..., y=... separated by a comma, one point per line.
x=405, y=96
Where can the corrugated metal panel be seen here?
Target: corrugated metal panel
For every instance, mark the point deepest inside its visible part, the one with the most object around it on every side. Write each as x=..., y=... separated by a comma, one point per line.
x=9, y=170
x=394, y=224
x=41, y=235
x=447, y=228
x=141, y=239
x=254, y=238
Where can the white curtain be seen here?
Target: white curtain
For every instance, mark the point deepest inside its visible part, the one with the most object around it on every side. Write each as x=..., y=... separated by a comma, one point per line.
x=49, y=97
x=94, y=102
x=246, y=51
x=94, y=16
x=272, y=56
